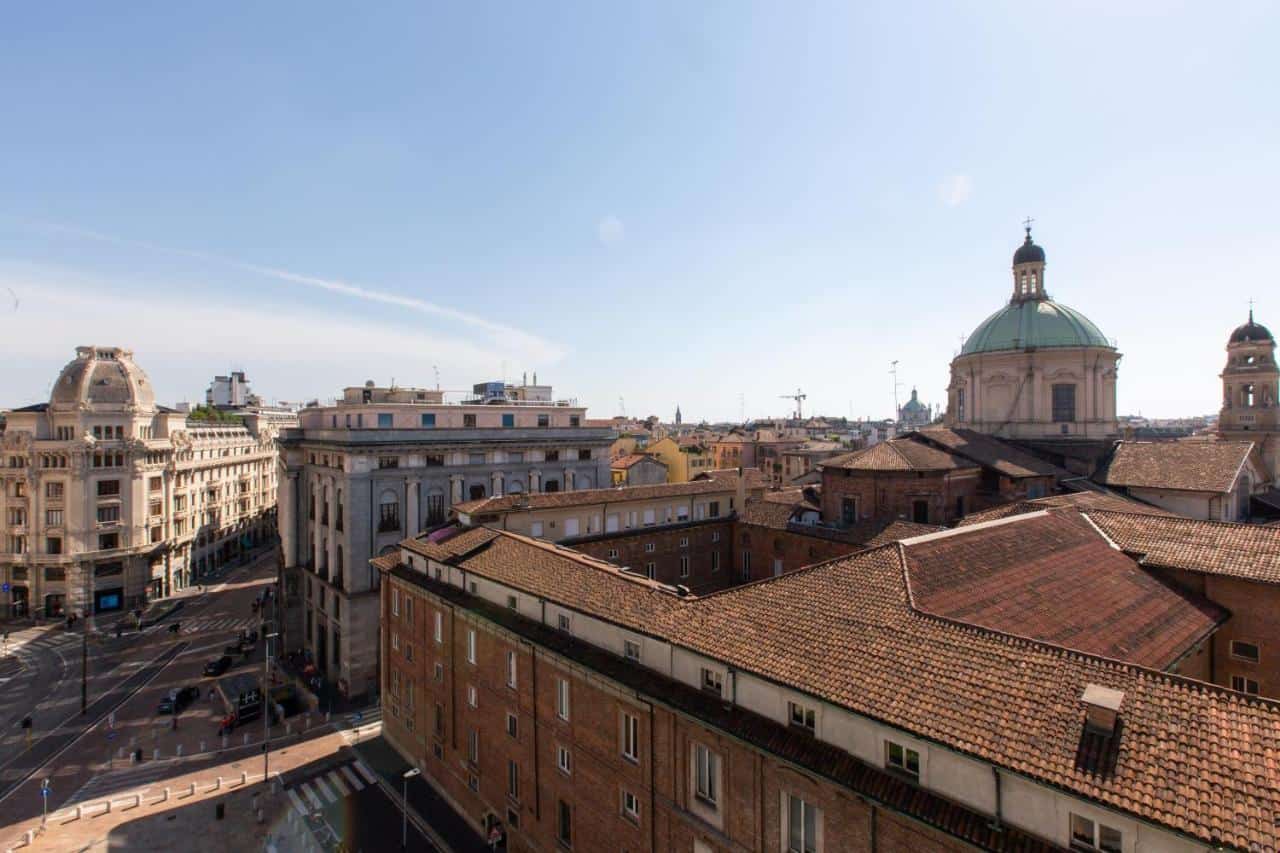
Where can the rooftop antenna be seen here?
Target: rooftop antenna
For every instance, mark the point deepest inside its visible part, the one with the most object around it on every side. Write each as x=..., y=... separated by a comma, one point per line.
x=437, y=372
x=893, y=371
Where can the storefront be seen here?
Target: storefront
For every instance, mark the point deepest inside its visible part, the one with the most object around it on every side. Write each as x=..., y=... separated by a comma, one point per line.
x=108, y=582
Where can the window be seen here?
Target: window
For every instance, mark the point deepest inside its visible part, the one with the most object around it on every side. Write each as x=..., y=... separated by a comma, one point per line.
x=108, y=541
x=630, y=736
x=898, y=757
x=630, y=650
x=408, y=599
x=746, y=564
x=563, y=622
x=802, y=826
x=384, y=420
x=715, y=536
x=395, y=602
x=1087, y=835
x=513, y=780
x=1064, y=403
x=53, y=491
x=613, y=553
x=713, y=509
x=544, y=420
x=428, y=420
x=511, y=602
x=388, y=461
x=562, y=698
x=53, y=517
x=651, y=570
x=473, y=698
x=684, y=567
x=439, y=672
x=630, y=807
x=801, y=716
x=535, y=529
x=712, y=681
x=1244, y=685
x=648, y=547
x=471, y=645
x=439, y=627
x=564, y=760
x=1245, y=651
x=469, y=421
x=564, y=816
x=848, y=510
x=715, y=561
x=473, y=746
x=512, y=724
x=508, y=420
x=53, y=545
x=108, y=488
x=511, y=669
x=706, y=782
x=408, y=647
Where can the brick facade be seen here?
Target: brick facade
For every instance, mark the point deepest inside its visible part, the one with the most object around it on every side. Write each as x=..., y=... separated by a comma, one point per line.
x=768, y=545
x=698, y=554
x=927, y=497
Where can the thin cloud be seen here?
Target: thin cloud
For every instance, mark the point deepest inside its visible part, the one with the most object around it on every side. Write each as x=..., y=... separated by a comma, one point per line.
x=610, y=230
x=955, y=190
x=544, y=350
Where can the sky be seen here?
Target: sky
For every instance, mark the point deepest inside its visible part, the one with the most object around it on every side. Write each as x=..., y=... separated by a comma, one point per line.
x=703, y=204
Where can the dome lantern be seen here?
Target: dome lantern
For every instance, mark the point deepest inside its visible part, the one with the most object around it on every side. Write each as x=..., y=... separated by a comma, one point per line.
x=1028, y=269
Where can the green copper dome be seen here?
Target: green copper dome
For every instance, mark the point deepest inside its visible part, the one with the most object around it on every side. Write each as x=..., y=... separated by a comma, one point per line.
x=1032, y=324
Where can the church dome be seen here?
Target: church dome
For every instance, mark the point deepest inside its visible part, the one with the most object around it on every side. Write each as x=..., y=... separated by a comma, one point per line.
x=1028, y=252
x=913, y=405
x=102, y=376
x=1251, y=332
x=1034, y=324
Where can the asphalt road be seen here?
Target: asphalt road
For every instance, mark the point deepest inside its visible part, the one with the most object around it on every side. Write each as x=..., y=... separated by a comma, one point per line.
x=128, y=678
x=344, y=812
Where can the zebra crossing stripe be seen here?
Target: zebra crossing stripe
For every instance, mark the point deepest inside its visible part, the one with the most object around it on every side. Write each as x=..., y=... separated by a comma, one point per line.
x=335, y=779
x=366, y=773
x=325, y=789
x=297, y=802
x=352, y=778
x=312, y=798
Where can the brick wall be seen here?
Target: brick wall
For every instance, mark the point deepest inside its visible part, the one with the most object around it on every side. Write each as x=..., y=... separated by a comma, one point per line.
x=795, y=550
x=694, y=541
x=884, y=495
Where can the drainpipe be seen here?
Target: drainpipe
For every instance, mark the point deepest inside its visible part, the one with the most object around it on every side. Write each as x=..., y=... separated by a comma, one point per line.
x=998, y=823
x=875, y=813
x=533, y=685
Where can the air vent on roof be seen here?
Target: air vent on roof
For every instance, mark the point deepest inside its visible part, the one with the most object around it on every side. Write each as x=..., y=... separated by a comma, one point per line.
x=1102, y=708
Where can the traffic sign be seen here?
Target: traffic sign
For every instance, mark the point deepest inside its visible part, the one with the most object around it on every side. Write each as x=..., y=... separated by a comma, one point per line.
x=6, y=586
x=44, y=788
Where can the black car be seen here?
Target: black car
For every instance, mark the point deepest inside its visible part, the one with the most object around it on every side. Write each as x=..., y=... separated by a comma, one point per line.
x=178, y=699
x=219, y=666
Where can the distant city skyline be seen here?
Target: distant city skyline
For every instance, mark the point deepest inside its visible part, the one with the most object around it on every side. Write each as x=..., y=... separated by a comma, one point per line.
x=658, y=204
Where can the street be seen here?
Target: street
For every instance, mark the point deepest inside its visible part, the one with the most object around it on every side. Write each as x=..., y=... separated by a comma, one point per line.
x=128, y=676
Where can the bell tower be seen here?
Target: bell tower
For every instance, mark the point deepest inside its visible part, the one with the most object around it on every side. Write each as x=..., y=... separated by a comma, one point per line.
x=1028, y=269
x=1251, y=391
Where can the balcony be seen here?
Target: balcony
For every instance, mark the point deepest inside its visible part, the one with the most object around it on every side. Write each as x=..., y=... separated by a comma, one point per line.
x=445, y=436
x=389, y=525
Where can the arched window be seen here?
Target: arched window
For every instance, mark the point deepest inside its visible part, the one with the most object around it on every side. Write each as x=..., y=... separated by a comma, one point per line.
x=515, y=486
x=1246, y=395
x=388, y=512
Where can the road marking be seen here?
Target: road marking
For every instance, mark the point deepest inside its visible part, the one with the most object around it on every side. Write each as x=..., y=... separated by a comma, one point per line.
x=335, y=779
x=366, y=772
x=311, y=796
x=352, y=778
x=325, y=789
x=297, y=802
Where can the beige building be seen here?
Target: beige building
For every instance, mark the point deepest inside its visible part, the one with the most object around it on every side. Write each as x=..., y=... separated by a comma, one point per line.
x=685, y=458
x=1035, y=369
x=1251, y=393
x=110, y=500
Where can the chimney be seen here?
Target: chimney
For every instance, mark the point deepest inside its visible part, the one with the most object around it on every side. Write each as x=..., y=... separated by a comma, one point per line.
x=1101, y=708
x=741, y=491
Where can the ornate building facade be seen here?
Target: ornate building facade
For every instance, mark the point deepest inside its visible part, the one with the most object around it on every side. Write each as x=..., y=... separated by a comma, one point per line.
x=1035, y=369
x=1251, y=392
x=110, y=500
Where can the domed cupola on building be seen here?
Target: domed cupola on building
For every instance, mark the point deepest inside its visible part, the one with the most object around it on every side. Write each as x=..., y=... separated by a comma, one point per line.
x=1251, y=390
x=103, y=379
x=1036, y=368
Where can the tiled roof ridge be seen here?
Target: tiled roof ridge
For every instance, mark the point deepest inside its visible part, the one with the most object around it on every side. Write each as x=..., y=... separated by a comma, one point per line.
x=785, y=576
x=979, y=526
x=1058, y=648
x=1182, y=519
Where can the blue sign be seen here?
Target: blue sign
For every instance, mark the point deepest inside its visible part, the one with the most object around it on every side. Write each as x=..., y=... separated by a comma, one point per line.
x=111, y=735
x=6, y=586
x=357, y=717
x=44, y=790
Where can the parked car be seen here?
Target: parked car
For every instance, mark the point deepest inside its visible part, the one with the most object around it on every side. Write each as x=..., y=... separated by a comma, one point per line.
x=177, y=699
x=218, y=666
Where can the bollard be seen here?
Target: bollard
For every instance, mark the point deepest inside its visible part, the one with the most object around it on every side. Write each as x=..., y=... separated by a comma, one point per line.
x=193, y=790
x=244, y=777
x=137, y=800
x=288, y=728
x=217, y=784
x=78, y=812
x=165, y=797
x=155, y=754
x=108, y=810
x=31, y=836
x=259, y=815
x=246, y=738
x=225, y=739
x=178, y=751
x=326, y=716
x=306, y=722
x=202, y=746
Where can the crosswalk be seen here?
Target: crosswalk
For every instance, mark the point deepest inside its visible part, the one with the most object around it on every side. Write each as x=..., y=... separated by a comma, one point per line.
x=362, y=725
x=129, y=780
x=214, y=622
x=326, y=789
x=48, y=639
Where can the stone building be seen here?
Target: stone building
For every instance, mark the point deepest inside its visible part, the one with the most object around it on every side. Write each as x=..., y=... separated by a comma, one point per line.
x=913, y=413
x=638, y=469
x=383, y=463
x=110, y=500
x=1035, y=369
x=1251, y=393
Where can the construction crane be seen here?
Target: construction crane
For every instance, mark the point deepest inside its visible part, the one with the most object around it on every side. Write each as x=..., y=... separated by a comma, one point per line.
x=799, y=397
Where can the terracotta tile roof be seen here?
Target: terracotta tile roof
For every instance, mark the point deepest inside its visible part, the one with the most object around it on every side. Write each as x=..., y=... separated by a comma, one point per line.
x=1197, y=466
x=1194, y=757
x=1190, y=756
x=789, y=497
x=1083, y=501
x=1247, y=551
x=898, y=454
x=624, y=462
x=1052, y=576
x=991, y=452
x=755, y=477
x=767, y=514
x=449, y=543
x=586, y=497
x=899, y=530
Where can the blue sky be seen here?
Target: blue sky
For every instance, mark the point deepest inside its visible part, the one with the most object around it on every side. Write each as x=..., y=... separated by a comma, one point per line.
x=667, y=203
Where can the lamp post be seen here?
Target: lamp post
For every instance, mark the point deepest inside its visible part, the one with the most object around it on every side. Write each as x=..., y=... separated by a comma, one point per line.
x=404, y=806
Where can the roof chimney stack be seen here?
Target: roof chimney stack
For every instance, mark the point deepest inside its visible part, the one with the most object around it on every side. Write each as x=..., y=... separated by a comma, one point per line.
x=741, y=491
x=1101, y=708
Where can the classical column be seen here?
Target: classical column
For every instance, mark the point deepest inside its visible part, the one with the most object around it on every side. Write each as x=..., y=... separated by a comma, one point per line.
x=535, y=480
x=413, y=521
x=455, y=488
x=495, y=484
x=568, y=479
x=332, y=557
x=317, y=499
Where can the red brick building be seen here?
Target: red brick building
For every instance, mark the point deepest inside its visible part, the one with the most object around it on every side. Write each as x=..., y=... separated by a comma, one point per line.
x=859, y=705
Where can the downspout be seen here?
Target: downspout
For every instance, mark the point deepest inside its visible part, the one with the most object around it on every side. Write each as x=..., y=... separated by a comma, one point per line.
x=533, y=684
x=875, y=814
x=653, y=796
x=998, y=823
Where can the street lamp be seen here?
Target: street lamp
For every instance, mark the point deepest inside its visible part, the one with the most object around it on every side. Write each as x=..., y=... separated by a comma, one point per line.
x=404, y=806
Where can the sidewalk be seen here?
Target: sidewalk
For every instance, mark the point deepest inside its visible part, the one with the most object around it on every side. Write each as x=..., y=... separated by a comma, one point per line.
x=428, y=806
x=180, y=819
